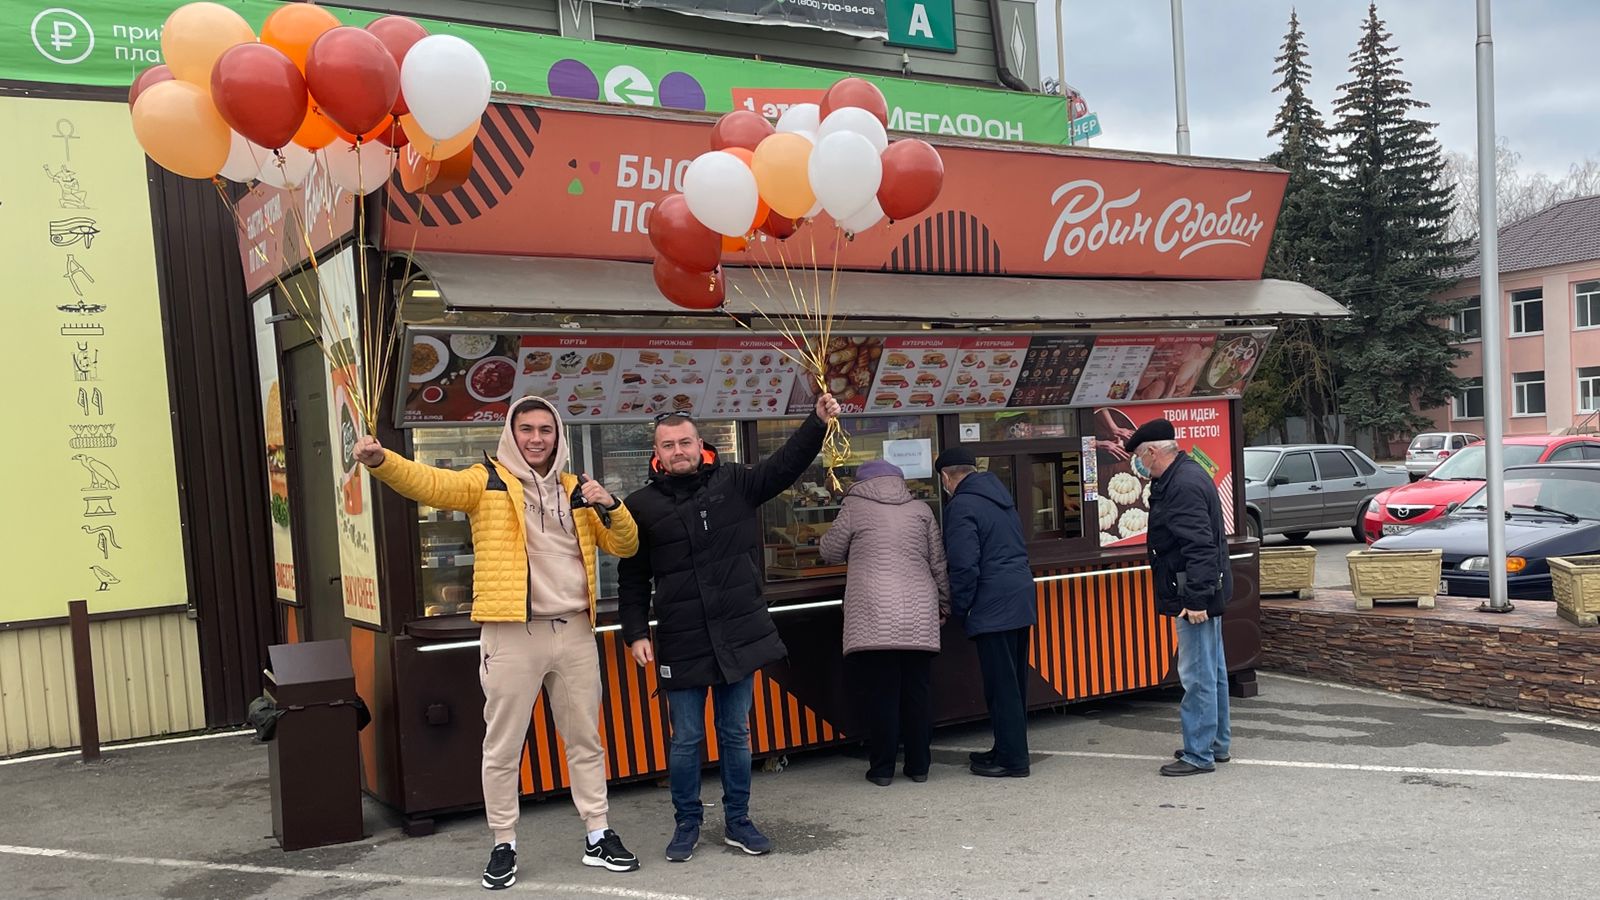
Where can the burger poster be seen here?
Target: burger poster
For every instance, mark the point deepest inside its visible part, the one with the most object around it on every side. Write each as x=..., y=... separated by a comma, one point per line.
x=277, y=464
x=358, y=557
x=1124, y=503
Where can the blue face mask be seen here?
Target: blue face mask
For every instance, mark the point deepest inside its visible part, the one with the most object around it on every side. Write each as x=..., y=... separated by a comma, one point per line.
x=1140, y=469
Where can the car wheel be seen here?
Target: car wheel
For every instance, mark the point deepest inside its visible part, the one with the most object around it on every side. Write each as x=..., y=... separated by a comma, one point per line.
x=1252, y=526
x=1356, y=530
x=1297, y=536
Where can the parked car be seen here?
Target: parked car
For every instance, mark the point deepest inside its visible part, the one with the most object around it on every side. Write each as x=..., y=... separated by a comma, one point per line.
x=1455, y=479
x=1433, y=447
x=1295, y=489
x=1551, y=510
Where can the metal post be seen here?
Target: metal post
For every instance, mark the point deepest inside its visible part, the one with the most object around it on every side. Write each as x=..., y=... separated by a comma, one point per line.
x=1061, y=68
x=83, y=679
x=1180, y=86
x=1489, y=301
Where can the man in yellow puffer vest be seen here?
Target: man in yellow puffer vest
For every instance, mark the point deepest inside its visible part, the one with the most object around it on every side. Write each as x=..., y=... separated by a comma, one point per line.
x=533, y=591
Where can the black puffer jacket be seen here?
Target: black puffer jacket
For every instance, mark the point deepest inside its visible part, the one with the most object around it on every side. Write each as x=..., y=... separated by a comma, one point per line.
x=1188, y=546
x=700, y=542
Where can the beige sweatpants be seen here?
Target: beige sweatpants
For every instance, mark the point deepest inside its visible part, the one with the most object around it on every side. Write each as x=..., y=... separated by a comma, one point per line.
x=518, y=659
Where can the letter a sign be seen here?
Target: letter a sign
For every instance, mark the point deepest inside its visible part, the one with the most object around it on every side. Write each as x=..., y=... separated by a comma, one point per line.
x=924, y=24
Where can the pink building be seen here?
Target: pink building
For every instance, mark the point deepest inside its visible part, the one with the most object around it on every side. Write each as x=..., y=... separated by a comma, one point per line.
x=1550, y=311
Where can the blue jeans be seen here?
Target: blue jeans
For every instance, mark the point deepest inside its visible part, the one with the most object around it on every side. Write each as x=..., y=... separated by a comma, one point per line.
x=687, y=707
x=1203, y=670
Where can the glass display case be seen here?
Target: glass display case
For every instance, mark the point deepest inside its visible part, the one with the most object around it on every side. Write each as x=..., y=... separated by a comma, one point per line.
x=616, y=455
x=794, y=522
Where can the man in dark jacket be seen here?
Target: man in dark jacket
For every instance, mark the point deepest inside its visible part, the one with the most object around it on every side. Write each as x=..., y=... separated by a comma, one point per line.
x=1193, y=582
x=992, y=593
x=700, y=543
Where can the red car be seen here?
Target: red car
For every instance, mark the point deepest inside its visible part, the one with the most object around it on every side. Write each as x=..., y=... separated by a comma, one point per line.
x=1455, y=479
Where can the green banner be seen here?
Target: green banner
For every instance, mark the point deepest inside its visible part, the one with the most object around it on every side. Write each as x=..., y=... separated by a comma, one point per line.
x=106, y=42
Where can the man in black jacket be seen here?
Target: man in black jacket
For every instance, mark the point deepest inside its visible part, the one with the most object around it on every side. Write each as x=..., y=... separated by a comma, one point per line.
x=700, y=543
x=1193, y=582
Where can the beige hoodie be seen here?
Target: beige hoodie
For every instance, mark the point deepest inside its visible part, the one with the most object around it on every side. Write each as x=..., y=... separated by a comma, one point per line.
x=558, y=585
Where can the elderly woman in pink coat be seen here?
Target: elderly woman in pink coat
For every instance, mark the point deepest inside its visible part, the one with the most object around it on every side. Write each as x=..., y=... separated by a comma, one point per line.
x=896, y=596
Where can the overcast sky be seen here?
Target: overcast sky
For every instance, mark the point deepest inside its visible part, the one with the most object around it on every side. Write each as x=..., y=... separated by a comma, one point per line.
x=1119, y=55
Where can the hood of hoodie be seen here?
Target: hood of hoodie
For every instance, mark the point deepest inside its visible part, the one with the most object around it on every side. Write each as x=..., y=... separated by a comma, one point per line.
x=887, y=489
x=509, y=454
x=989, y=487
x=557, y=578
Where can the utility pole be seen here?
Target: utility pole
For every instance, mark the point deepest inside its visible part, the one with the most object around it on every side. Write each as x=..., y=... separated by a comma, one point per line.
x=1179, y=83
x=1489, y=302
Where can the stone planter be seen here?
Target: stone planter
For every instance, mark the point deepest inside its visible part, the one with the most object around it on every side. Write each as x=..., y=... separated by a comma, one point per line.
x=1288, y=570
x=1576, y=582
x=1394, y=575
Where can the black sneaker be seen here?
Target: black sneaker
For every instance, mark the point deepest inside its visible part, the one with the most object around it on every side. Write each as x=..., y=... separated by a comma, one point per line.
x=609, y=853
x=684, y=839
x=744, y=835
x=501, y=872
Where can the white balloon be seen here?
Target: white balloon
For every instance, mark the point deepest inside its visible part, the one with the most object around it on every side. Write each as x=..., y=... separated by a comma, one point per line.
x=862, y=219
x=801, y=117
x=446, y=84
x=854, y=118
x=721, y=192
x=845, y=173
x=816, y=210
x=286, y=168
x=359, y=170
x=244, y=160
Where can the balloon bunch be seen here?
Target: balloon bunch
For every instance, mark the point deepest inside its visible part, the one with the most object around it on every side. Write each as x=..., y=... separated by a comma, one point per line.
x=227, y=104
x=762, y=182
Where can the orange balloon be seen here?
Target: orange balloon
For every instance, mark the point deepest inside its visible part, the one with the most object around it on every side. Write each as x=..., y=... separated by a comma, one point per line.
x=317, y=131
x=745, y=156
x=195, y=35
x=294, y=27
x=179, y=128
x=734, y=244
x=762, y=211
x=430, y=147
x=780, y=164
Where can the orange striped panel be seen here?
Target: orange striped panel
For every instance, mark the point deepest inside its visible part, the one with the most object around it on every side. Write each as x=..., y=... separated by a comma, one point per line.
x=620, y=701
x=363, y=659
x=713, y=750
x=527, y=769
x=760, y=739
x=291, y=625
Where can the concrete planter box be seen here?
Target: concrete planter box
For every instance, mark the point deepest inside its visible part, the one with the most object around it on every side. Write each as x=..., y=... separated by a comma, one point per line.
x=1394, y=575
x=1576, y=581
x=1288, y=570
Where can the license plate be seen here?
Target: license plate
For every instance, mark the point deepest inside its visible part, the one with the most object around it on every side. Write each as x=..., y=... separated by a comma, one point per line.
x=1393, y=528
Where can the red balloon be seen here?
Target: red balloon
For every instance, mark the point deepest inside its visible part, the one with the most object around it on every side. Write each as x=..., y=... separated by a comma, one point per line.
x=779, y=227
x=153, y=75
x=353, y=78
x=390, y=134
x=677, y=235
x=260, y=93
x=855, y=92
x=690, y=290
x=740, y=128
x=913, y=175
x=397, y=33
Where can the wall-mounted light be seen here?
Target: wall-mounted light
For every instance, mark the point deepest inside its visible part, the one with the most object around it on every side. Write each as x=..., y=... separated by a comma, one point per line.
x=429, y=293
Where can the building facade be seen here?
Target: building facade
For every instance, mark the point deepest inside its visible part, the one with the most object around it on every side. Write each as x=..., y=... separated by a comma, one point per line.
x=1550, y=310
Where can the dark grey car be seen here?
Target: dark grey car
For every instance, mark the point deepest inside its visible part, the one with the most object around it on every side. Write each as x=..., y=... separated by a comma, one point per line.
x=1295, y=489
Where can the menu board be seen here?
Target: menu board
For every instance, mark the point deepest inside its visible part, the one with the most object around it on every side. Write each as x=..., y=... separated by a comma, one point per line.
x=1113, y=368
x=986, y=370
x=1052, y=369
x=465, y=377
x=663, y=374
x=575, y=372
x=471, y=377
x=913, y=372
x=752, y=378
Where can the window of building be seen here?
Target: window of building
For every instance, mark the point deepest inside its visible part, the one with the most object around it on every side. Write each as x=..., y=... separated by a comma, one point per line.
x=1527, y=393
x=1469, y=403
x=1527, y=312
x=1589, y=388
x=1468, y=320
x=1586, y=304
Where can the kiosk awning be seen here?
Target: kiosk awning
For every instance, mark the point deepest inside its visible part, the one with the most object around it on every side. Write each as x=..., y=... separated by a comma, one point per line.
x=547, y=285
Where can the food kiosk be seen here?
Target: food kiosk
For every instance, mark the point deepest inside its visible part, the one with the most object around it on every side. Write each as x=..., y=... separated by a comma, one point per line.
x=1051, y=301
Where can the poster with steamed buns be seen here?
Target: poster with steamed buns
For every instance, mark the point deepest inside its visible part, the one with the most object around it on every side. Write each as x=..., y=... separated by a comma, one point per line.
x=1202, y=431
x=575, y=372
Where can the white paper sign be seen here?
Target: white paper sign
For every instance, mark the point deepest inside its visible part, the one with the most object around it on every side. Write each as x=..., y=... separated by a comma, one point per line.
x=970, y=431
x=914, y=456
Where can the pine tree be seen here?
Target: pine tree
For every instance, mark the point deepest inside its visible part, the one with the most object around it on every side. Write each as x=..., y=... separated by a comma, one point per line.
x=1391, y=249
x=1297, y=376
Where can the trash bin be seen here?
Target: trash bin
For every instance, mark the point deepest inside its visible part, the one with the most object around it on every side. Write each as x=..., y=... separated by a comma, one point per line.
x=314, y=755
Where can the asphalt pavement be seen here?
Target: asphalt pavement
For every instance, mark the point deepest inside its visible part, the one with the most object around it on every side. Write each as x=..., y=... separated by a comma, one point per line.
x=1332, y=792
x=1332, y=546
